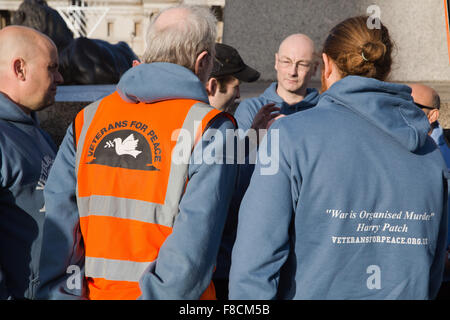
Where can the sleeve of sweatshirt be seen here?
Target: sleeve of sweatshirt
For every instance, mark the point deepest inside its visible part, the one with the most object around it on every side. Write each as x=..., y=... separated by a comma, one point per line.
x=438, y=266
x=262, y=242
x=62, y=256
x=186, y=260
x=245, y=113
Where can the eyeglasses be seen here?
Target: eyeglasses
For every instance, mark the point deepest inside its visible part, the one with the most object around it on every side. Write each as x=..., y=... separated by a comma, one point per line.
x=421, y=106
x=298, y=65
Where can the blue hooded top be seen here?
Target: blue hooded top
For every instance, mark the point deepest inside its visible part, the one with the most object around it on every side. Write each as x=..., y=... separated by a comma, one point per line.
x=244, y=116
x=438, y=136
x=26, y=155
x=186, y=260
x=248, y=108
x=357, y=208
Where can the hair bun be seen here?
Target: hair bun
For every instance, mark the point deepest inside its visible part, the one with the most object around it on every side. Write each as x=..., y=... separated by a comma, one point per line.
x=358, y=50
x=373, y=51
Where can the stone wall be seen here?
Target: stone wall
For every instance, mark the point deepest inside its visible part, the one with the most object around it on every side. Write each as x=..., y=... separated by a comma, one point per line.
x=256, y=28
x=56, y=118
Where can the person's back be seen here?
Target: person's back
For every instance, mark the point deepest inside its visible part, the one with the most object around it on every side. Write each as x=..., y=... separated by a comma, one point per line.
x=145, y=222
x=360, y=196
x=373, y=229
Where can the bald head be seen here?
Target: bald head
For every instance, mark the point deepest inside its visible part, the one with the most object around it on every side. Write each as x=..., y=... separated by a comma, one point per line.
x=425, y=95
x=428, y=100
x=172, y=18
x=19, y=41
x=28, y=67
x=295, y=64
x=297, y=44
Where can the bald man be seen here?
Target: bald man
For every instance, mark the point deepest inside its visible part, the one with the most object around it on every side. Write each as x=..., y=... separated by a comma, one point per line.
x=295, y=64
x=428, y=100
x=28, y=80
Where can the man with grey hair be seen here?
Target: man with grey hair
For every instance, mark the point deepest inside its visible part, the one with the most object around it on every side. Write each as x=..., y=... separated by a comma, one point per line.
x=171, y=35
x=125, y=217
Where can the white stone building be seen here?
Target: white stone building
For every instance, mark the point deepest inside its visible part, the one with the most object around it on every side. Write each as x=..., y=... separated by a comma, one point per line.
x=112, y=20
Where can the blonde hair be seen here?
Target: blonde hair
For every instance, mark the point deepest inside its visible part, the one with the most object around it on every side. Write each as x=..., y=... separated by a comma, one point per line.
x=181, y=42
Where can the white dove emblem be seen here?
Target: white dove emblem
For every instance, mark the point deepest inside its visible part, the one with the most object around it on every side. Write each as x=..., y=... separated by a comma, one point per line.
x=127, y=146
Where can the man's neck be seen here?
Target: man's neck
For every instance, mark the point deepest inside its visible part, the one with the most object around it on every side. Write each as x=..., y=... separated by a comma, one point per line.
x=291, y=98
x=18, y=105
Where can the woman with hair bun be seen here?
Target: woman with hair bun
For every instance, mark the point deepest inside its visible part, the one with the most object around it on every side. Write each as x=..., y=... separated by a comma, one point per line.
x=357, y=207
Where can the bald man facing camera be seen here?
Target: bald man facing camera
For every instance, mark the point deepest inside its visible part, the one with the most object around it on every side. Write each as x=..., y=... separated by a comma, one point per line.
x=28, y=80
x=295, y=64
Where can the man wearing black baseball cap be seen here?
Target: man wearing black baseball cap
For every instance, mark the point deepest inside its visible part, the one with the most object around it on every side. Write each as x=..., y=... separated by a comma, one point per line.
x=228, y=72
x=223, y=89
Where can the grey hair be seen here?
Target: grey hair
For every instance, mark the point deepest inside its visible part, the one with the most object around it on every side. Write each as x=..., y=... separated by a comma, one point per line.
x=181, y=42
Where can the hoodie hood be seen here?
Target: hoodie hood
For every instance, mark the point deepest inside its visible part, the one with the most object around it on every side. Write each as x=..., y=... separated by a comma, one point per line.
x=438, y=134
x=160, y=81
x=388, y=106
x=310, y=100
x=10, y=111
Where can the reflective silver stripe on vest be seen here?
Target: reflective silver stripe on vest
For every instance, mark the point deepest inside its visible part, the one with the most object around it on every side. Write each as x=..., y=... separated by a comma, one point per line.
x=110, y=206
x=89, y=113
x=116, y=270
x=142, y=210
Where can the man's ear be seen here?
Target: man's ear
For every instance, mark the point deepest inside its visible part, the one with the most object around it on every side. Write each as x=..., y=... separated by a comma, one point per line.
x=327, y=65
x=202, y=62
x=19, y=69
x=276, y=62
x=211, y=86
x=433, y=115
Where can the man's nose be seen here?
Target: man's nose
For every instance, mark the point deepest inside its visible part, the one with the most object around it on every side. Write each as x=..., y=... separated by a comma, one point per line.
x=59, y=78
x=293, y=70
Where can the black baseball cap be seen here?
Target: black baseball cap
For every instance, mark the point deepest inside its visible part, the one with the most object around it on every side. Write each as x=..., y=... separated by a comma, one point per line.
x=229, y=62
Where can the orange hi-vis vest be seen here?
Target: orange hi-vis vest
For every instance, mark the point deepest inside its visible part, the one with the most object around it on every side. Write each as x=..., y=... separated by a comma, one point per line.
x=129, y=186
